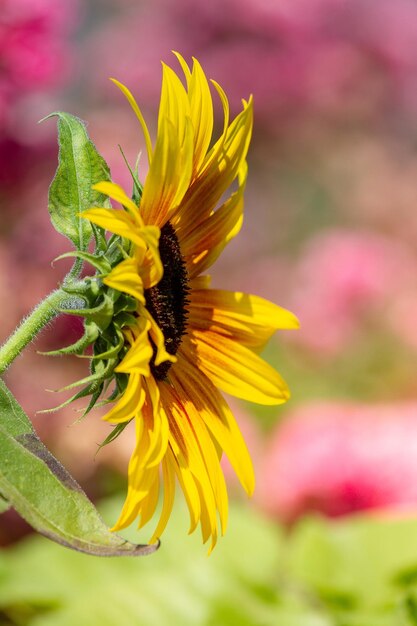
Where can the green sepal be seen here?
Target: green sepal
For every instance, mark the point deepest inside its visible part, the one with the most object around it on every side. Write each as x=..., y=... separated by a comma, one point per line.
x=117, y=430
x=100, y=238
x=85, y=288
x=93, y=400
x=112, y=352
x=80, y=166
x=104, y=370
x=106, y=313
x=126, y=319
x=100, y=263
x=80, y=394
x=125, y=303
x=101, y=314
x=137, y=190
x=121, y=384
x=91, y=332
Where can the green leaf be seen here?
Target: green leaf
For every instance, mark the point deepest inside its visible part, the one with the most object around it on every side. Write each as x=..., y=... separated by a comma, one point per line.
x=45, y=494
x=80, y=167
x=356, y=566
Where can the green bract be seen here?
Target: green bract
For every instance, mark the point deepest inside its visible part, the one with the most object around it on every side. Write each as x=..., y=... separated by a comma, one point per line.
x=31, y=479
x=106, y=313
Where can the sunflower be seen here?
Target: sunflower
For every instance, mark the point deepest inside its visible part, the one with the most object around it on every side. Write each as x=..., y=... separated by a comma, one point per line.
x=188, y=341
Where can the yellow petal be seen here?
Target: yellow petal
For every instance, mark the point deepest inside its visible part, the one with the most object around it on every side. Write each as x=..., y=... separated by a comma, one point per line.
x=174, y=105
x=187, y=483
x=169, y=175
x=249, y=320
x=138, y=114
x=138, y=357
x=201, y=105
x=149, y=504
x=156, y=426
x=117, y=193
x=187, y=397
x=204, y=244
x=125, y=277
x=237, y=370
x=207, y=528
x=221, y=167
x=168, y=475
x=130, y=403
x=219, y=419
x=226, y=113
x=184, y=65
x=158, y=339
x=200, y=282
x=216, y=228
x=117, y=222
x=182, y=431
x=139, y=488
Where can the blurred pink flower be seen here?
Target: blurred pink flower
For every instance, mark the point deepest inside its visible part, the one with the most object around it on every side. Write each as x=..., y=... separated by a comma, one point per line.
x=341, y=458
x=33, y=49
x=343, y=279
x=371, y=179
x=34, y=57
x=309, y=55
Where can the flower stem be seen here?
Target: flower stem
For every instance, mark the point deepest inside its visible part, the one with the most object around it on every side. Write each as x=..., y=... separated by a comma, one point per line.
x=30, y=327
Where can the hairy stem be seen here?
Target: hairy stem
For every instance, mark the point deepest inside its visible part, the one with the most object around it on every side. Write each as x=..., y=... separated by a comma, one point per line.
x=31, y=326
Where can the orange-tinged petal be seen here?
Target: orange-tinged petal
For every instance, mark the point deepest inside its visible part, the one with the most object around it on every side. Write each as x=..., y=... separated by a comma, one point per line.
x=216, y=229
x=204, y=244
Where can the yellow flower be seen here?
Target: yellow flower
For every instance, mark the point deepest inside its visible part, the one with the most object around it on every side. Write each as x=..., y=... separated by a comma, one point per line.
x=189, y=340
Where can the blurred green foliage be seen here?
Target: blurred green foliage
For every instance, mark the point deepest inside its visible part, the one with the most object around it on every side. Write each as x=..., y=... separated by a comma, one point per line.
x=357, y=572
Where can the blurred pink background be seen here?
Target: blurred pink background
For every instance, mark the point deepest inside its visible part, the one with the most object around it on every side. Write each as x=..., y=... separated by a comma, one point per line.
x=330, y=227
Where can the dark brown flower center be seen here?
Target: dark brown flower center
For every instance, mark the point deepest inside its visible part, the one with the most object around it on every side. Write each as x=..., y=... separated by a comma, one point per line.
x=167, y=301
